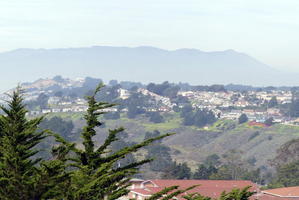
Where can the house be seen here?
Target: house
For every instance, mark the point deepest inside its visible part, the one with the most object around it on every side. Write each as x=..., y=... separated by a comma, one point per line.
x=287, y=193
x=124, y=94
x=141, y=190
x=259, y=124
x=56, y=110
x=45, y=111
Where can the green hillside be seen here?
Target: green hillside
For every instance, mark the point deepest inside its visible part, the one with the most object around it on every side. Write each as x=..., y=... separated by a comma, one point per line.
x=191, y=144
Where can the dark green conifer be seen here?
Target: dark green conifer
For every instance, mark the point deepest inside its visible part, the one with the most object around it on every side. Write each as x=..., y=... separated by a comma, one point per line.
x=94, y=175
x=22, y=174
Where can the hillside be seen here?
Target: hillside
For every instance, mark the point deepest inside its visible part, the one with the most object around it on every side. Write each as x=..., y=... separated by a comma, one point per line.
x=193, y=145
x=147, y=63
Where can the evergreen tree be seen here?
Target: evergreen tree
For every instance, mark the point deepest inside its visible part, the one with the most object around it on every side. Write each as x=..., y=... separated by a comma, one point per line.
x=22, y=174
x=243, y=118
x=273, y=102
x=93, y=174
x=237, y=194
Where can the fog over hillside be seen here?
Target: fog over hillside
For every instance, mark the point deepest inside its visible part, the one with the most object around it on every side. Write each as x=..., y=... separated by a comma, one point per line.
x=145, y=64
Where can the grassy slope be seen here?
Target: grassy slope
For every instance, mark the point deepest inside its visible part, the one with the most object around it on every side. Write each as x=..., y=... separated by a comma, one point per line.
x=192, y=144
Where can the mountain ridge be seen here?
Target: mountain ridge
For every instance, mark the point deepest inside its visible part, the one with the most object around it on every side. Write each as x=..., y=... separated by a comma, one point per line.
x=142, y=64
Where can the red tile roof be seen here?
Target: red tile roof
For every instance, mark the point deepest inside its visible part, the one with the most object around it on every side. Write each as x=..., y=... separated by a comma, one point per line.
x=284, y=192
x=270, y=197
x=210, y=188
x=253, y=123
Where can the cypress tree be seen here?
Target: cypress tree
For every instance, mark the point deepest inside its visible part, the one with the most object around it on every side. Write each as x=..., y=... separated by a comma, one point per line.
x=22, y=174
x=94, y=175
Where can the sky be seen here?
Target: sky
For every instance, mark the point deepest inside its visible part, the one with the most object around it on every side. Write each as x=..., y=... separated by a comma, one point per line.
x=265, y=29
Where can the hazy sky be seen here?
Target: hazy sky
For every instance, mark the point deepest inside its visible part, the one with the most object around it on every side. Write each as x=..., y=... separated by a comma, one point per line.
x=265, y=29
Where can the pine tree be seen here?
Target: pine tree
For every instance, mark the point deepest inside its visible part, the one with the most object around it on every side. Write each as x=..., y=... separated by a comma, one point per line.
x=22, y=174
x=94, y=175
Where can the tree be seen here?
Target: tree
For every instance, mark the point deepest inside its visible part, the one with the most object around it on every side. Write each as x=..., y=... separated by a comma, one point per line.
x=243, y=118
x=164, y=89
x=273, y=102
x=58, y=94
x=155, y=117
x=287, y=175
x=237, y=194
x=23, y=175
x=42, y=101
x=293, y=110
x=212, y=160
x=232, y=166
x=162, y=159
x=136, y=104
x=178, y=171
x=254, y=176
x=121, y=144
x=58, y=125
x=269, y=121
x=204, y=172
x=198, y=118
x=94, y=175
x=186, y=110
x=174, y=191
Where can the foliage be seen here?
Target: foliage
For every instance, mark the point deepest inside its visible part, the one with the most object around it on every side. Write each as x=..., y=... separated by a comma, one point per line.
x=232, y=167
x=269, y=122
x=204, y=172
x=121, y=143
x=243, y=118
x=174, y=191
x=273, y=102
x=198, y=117
x=162, y=159
x=288, y=152
x=294, y=106
x=155, y=117
x=58, y=125
x=23, y=176
x=212, y=88
x=287, y=175
x=178, y=171
x=237, y=194
x=41, y=102
x=94, y=175
x=136, y=104
x=72, y=173
x=164, y=89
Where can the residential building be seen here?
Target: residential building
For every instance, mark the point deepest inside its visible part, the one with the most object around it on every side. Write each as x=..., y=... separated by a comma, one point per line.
x=287, y=193
x=141, y=190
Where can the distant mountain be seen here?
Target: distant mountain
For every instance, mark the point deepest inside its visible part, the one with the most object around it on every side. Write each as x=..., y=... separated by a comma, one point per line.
x=144, y=64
